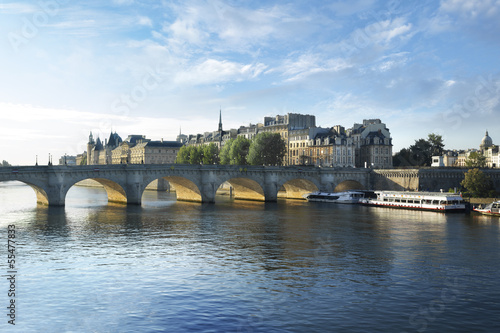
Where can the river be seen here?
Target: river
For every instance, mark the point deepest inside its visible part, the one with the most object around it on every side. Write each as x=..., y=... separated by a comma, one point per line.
x=242, y=266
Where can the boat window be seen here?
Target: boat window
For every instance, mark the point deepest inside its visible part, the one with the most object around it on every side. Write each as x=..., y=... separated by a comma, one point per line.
x=398, y=200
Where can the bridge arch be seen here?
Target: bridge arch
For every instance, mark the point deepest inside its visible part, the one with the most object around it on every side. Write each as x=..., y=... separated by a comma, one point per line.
x=246, y=188
x=40, y=192
x=296, y=185
x=348, y=184
x=115, y=191
x=186, y=188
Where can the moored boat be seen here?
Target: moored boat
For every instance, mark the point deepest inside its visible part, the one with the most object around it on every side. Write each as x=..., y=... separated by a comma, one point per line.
x=347, y=197
x=433, y=201
x=492, y=209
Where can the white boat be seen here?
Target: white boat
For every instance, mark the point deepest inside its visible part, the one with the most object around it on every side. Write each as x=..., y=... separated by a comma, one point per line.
x=492, y=209
x=347, y=197
x=434, y=201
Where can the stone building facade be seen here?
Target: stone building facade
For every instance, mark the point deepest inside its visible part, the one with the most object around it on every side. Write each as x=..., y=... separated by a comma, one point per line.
x=454, y=158
x=364, y=145
x=135, y=149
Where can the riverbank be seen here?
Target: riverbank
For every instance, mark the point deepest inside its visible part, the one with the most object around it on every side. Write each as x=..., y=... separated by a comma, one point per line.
x=481, y=201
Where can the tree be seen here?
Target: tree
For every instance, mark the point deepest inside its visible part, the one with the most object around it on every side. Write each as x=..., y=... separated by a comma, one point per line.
x=189, y=155
x=266, y=149
x=437, y=145
x=84, y=160
x=420, y=153
x=225, y=152
x=239, y=151
x=477, y=184
x=475, y=160
x=402, y=158
x=195, y=155
x=5, y=164
x=210, y=154
x=183, y=155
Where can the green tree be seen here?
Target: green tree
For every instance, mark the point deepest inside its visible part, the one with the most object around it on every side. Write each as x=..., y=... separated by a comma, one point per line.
x=477, y=184
x=183, y=155
x=475, y=160
x=402, y=158
x=239, y=151
x=195, y=155
x=437, y=145
x=210, y=154
x=225, y=153
x=5, y=164
x=420, y=153
x=266, y=149
x=84, y=160
x=189, y=155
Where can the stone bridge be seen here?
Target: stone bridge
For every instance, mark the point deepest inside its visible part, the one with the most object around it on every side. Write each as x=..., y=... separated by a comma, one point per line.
x=126, y=183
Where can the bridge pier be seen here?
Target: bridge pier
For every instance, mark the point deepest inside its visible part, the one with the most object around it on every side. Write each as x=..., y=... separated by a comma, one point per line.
x=208, y=187
x=55, y=189
x=134, y=193
x=326, y=182
x=271, y=187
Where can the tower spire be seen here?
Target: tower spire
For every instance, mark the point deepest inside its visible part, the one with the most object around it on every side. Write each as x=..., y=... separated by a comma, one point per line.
x=220, y=128
x=220, y=120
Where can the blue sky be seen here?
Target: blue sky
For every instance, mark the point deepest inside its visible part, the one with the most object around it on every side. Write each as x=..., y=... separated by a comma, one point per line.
x=152, y=67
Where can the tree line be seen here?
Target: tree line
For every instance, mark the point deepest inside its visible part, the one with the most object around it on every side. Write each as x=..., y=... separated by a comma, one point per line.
x=420, y=154
x=264, y=149
x=475, y=184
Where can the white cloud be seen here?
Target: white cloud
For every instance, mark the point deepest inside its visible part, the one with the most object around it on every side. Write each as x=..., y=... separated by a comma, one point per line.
x=17, y=8
x=218, y=26
x=476, y=17
x=308, y=64
x=383, y=32
x=472, y=9
x=146, y=21
x=213, y=71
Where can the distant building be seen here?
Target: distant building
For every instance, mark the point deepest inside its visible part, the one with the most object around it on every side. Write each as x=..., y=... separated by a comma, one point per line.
x=373, y=144
x=99, y=153
x=458, y=158
x=135, y=149
x=367, y=144
x=67, y=160
x=155, y=152
x=448, y=159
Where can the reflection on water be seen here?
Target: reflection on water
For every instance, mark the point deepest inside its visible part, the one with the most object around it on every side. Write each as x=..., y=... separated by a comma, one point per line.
x=244, y=266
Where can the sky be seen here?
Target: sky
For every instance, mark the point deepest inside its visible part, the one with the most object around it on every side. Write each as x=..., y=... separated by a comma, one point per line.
x=159, y=67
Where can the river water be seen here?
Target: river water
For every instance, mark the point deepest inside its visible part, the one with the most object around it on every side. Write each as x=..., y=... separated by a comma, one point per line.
x=239, y=266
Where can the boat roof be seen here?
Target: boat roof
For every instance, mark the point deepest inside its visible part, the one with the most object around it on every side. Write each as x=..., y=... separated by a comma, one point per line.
x=419, y=194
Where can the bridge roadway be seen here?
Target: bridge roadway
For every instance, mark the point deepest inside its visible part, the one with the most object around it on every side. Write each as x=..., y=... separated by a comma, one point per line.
x=126, y=183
